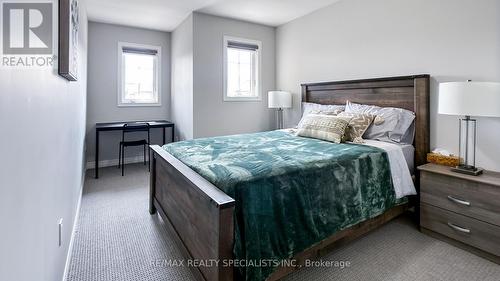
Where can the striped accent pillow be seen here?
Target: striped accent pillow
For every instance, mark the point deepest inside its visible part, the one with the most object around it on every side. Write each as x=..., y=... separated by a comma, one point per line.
x=323, y=127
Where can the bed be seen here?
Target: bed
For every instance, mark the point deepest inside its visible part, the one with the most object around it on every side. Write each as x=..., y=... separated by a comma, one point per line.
x=204, y=219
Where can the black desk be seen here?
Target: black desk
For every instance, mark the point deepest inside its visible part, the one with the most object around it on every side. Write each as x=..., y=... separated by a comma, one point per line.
x=118, y=126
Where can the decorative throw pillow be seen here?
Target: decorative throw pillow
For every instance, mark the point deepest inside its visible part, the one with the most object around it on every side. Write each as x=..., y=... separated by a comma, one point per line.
x=357, y=125
x=323, y=127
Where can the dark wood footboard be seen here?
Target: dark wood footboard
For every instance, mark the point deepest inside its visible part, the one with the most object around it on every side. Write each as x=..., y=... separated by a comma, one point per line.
x=198, y=213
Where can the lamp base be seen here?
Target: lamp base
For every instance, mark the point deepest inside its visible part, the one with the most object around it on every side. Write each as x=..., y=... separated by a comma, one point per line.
x=279, y=118
x=468, y=170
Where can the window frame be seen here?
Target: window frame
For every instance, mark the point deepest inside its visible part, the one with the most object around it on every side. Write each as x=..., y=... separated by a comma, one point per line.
x=258, y=76
x=121, y=75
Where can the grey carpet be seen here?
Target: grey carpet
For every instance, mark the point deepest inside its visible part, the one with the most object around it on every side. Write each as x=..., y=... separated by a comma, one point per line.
x=117, y=239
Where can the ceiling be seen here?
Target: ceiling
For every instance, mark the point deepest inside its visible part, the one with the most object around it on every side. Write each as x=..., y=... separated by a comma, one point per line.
x=165, y=15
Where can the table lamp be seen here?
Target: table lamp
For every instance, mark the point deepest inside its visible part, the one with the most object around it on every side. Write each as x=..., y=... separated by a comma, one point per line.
x=481, y=99
x=279, y=100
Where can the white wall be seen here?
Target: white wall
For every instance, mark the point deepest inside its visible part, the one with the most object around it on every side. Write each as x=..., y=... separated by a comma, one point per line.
x=452, y=40
x=41, y=172
x=182, y=79
x=213, y=116
x=198, y=109
x=102, y=87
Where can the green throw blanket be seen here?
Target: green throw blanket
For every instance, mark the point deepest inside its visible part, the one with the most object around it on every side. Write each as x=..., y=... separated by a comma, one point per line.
x=291, y=192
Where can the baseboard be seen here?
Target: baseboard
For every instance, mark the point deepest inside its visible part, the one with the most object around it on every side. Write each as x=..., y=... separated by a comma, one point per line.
x=75, y=221
x=114, y=162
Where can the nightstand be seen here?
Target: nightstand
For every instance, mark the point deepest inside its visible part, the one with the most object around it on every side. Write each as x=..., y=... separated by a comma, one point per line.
x=461, y=209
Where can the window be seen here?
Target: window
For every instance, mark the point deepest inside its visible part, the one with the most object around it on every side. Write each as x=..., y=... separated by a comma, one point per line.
x=241, y=69
x=138, y=75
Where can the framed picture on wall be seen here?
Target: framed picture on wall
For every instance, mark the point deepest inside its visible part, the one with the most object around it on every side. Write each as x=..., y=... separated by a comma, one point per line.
x=68, y=39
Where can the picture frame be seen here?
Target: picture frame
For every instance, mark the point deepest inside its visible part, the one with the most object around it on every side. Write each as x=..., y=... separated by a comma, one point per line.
x=68, y=39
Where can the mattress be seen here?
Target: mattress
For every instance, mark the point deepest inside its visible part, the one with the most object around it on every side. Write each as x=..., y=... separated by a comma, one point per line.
x=409, y=154
x=401, y=175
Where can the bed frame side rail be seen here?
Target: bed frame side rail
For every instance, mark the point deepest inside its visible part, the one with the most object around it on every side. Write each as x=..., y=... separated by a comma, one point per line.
x=199, y=213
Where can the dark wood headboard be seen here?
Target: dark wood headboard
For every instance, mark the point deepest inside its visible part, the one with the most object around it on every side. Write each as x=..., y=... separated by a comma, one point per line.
x=408, y=92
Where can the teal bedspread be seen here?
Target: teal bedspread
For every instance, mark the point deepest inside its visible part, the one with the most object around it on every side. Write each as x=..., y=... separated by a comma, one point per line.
x=291, y=192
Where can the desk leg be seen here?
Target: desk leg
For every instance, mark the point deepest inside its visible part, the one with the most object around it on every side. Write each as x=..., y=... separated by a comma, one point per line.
x=96, y=154
x=163, y=135
x=173, y=132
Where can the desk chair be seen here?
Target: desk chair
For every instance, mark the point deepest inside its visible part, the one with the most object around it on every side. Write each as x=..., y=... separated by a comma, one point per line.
x=129, y=128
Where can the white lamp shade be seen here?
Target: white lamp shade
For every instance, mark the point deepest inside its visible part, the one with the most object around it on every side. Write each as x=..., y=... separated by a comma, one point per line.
x=470, y=99
x=279, y=99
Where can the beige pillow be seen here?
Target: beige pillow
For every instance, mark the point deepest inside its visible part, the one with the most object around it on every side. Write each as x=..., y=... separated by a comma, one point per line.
x=323, y=127
x=357, y=125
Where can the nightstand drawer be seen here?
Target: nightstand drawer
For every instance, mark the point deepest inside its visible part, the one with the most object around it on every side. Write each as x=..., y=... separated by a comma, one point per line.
x=479, y=234
x=473, y=199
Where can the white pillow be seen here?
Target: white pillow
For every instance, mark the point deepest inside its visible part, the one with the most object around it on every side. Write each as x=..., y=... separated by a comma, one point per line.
x=396, y=121
x=307, y=107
